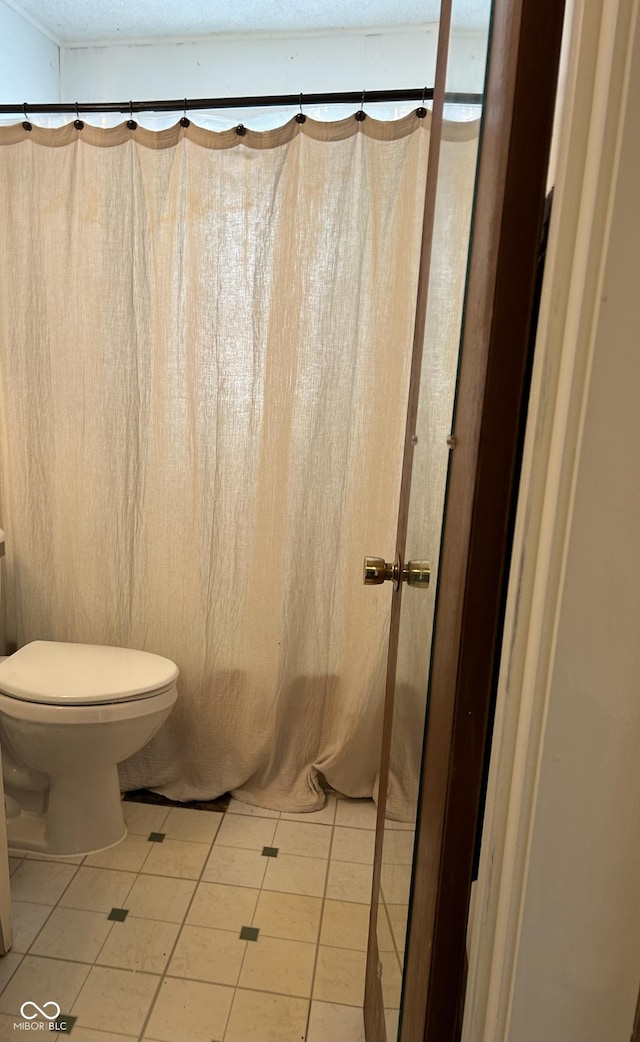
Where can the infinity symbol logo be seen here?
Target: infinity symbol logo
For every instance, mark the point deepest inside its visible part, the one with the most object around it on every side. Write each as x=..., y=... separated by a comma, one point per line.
x=40, y=1009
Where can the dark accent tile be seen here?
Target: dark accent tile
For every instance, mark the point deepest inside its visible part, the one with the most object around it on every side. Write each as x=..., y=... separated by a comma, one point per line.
x=156, y=837
x=118, y=914
x=249, y=933
x=270, y=851
x=146, y=796
x=65, y=1023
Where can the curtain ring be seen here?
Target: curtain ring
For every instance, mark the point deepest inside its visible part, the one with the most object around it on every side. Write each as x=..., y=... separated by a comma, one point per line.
x=421, y=112
x=78, y=124
x=185, y=122
x=361, y=114
x=300, y=116
x=241, y=130
x=27, y=125
x=131, y=123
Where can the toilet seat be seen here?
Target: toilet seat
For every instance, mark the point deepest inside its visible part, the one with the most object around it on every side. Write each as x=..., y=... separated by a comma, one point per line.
x=55, y=673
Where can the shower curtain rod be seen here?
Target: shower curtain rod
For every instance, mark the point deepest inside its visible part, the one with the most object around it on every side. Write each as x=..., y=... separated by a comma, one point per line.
x=420, y=94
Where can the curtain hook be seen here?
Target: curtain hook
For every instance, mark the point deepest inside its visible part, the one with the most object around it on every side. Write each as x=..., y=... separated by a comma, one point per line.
x=421, y=112
x=300, y=116
x=27, y=125
x=78, y=124
x=361, y=114
x=185, y=122
x=131, y=123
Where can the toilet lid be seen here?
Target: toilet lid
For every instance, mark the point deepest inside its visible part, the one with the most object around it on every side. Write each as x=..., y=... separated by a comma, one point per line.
x=83, y=674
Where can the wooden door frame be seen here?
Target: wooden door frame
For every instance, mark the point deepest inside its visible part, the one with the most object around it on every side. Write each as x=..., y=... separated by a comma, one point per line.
x=590, y=135
x=478, y=527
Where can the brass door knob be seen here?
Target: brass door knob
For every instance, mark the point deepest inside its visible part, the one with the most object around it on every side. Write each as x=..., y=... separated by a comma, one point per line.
x=414, y=573
x=417, y=573
x=377, y=570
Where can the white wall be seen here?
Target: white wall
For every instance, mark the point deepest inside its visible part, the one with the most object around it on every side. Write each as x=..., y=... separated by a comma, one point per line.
x=578, y=962
x=231, y=66
x=34, y=69
x=29, y=61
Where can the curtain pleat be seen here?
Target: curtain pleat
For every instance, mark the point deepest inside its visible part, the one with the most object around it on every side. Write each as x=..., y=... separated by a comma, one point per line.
x=204, y=358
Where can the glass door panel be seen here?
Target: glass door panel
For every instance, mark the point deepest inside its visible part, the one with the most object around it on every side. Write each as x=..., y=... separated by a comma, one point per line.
x=445, y=300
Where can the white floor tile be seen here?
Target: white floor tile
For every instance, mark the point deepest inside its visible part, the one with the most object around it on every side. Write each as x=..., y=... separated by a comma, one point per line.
x=143, y=818
x=384, y=936
x=398, y=921
x=259, y=1017
x=398, y=848
x=8, y=965
x=353, y=845
x=395, y=883
x=15, y=1027
x=237, y=807
x=238, y=830
x=291, y=916
x=139, y=944
x=28, y=920
x=392, y=1022
x=204, y=959
x=208, y=955
x=73, y=934
x=290, y=874
x=297, y=837
x=339, y=976
x=345, y=924
x=359, y=814
x=98, y=889
x=273, y=964
x=175, y=857
x=329, y=1021
x=65, y=859
x=115, y=1000
x=191, y=1010
x=391, y=980
x=43, y=980
x=157, y=897
x=81, y=1033
x=42, y=882
x=235, y=867
x=223, y=907
x=348, y=881
x=197, y=826
x=128, y=856
x=68, y=859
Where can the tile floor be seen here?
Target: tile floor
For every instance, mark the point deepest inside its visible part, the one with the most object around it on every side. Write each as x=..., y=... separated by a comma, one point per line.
x=244, y=926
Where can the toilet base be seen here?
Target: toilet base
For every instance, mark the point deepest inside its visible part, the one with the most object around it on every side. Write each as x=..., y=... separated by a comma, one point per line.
x=84, y=815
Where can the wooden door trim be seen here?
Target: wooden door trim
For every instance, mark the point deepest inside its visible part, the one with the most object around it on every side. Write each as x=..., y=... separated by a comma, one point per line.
x=589, y=137
x=516, y=135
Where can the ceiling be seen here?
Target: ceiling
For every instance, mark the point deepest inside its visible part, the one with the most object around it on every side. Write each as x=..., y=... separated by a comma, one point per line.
x=77, y=21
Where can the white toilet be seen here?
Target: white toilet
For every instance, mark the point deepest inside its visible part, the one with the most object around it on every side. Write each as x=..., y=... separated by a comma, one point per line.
x=69, y=713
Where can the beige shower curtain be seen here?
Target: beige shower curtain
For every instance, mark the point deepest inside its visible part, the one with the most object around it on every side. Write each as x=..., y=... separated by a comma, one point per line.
x=204, y=354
